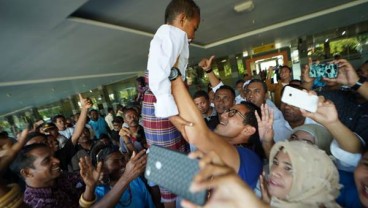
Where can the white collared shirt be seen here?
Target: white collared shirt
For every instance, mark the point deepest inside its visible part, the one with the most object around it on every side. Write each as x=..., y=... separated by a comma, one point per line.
x=168, y=46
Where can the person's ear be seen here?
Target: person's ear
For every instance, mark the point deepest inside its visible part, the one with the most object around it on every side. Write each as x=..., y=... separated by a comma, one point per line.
x=249, y=130
x=181, y=18
x=25, y=173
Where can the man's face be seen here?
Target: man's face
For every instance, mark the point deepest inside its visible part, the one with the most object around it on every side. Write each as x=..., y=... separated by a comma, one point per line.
x=285, y=74
x=85, y=137
x=255, y=93
x=223, y=100
x=114, y=165
x=231, y=123
x=190, y=26
x=202, y=104
x=94, y=115
x=60, y=123
x=291, y=113
x=131, y=118
x=45, y=167
x=239, y=87
x=117, y=126
x=247, y=77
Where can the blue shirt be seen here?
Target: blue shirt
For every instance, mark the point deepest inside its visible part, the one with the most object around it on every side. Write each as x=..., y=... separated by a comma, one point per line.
x=138, y=195
x=99, y=127
x=250, y=166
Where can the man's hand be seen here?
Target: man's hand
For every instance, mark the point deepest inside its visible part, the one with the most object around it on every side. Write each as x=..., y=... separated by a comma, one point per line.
x=206, y=63
x=85, y=102
x=228, y=189
x=125, y=132
x=305, y=74
x=89, y=174
x=265, y=124
x=326, y=112
x=347, y=74
x=135, y=165
x=9, y=151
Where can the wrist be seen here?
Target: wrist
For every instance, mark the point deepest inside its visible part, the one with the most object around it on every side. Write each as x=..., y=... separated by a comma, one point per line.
x=358, y=83
x=332, y=124
x=208, y=70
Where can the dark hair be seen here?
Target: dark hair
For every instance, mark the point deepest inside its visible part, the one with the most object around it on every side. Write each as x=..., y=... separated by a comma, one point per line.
x=24, y=159
x=4, y=135
x=141, y=81
x=201, y=93
x=32, y=135
x=109, y=109
x=130, y=109
x=295, y=82
x=264, y=85
x=239, y=81
x=227, y=87
x=93, y=110
x=175, y=7
x=101, y=151
x=118, y=119
x=250, y=117
x=56, y=117
x=254, y=142
x=285, y=66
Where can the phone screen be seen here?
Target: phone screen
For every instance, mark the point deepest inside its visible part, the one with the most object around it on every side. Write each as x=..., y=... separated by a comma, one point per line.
x=327, y=70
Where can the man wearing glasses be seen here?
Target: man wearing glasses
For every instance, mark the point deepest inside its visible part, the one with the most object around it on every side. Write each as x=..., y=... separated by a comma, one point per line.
x=238, y=125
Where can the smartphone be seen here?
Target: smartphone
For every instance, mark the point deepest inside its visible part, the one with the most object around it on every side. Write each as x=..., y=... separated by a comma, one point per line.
x=323, y=70
x=173, y=171
x=300, y=99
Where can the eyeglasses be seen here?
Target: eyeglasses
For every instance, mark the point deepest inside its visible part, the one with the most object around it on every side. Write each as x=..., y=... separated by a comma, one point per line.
x=232, y=112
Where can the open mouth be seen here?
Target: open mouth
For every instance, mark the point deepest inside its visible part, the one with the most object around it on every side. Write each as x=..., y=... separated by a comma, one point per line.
x=365, y=190
x=56, y=169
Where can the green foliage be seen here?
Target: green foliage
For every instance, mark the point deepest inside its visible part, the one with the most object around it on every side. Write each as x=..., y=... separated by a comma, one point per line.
x=344, y=46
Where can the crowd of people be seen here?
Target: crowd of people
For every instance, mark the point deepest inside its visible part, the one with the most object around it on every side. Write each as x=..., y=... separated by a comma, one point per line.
x=253, y=149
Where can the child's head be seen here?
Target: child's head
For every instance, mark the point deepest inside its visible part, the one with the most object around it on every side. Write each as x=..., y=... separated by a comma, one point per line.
x=184, y=14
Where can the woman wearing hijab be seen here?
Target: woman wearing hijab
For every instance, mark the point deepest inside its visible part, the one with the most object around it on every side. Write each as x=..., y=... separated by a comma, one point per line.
x=295, y=180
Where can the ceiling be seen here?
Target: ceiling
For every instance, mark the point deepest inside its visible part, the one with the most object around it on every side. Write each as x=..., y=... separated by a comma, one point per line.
x=53, y=49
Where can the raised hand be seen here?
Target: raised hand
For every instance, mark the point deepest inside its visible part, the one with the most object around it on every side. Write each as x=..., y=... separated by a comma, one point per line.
x=326, y=112
x=85, y=102
x=125, y=132
x=228, y=189
x=89, y=174
x=135, y=165
x=9, y=151
x=266, y=197
x=347, y=74
x=265, y=124
x=305, y=74
x=205, y=63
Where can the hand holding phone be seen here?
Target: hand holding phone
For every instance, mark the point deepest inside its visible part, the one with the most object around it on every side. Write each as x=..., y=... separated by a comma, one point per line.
x=300, y=99
x=173, y=171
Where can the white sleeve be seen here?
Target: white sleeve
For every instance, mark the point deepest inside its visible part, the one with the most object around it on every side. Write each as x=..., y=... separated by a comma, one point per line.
x=164, y=50
x=344, y=160
x=215, y=88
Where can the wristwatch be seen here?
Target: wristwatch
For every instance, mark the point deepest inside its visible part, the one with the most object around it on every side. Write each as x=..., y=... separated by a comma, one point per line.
x=358, y=84
x=174, y=73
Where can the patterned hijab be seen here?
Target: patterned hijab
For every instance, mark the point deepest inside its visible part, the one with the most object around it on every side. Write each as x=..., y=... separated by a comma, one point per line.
x=315, y=177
